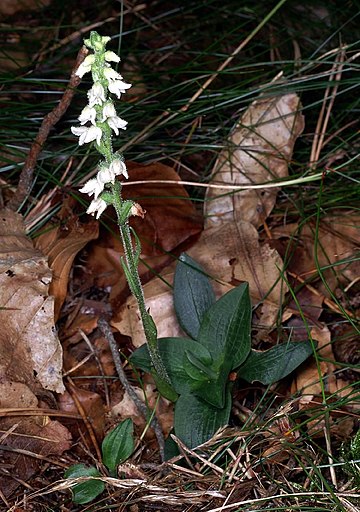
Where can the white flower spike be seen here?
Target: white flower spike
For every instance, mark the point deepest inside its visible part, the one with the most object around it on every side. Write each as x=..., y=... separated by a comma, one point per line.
x=101, y=109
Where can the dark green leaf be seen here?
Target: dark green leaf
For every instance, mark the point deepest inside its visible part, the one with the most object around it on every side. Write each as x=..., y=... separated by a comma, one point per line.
x=197, y=369
x=118, y=445
x=85, y=492
x=196, y=421
x=173, y=353
x=193, y=294
x=274, y=364
x=225, y=329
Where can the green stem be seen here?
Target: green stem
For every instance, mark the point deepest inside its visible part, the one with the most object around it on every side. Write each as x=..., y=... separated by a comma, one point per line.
x=133, y=278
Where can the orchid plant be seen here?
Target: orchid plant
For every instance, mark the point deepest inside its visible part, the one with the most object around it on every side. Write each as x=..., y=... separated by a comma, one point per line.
x=98, y=123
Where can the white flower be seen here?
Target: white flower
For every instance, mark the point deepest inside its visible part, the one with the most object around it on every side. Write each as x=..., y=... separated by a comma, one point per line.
x=105, y=176
x=96, y=94
x=115, y=123
x=108, y=111
x=87, y=134
x=117, y=87
x=111, y=74
x=85, y=66
x=109, y=115
x=111, y=56
x=97, y=206
x=118, y=167
x=92, y=187
x=87, y=114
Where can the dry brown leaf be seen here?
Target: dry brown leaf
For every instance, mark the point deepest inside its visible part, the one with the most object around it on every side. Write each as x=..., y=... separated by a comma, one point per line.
x=258, y=151
x=49, y=438
x=339, y=239
x=28, y=340
x=126, y=408
x=159, y=300
x=232, y=253
x=312, y=378
x=61, y=243
x=93, y=405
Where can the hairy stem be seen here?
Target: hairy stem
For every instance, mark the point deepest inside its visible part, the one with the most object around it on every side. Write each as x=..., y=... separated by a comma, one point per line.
x=132, y=274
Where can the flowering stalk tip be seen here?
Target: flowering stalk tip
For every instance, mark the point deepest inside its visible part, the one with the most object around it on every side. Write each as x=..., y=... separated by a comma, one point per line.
x=99, y=118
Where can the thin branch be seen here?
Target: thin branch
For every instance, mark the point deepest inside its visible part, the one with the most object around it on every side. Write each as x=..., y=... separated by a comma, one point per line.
x=106, y=331
x=26, y=176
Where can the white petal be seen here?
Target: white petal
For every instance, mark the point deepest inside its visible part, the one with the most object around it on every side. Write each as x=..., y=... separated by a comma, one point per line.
x=118, y=167
x=96, y=95
x=97, y=206
x=108, y=111
x=111, y=56
x=89, y=187
x=115, y=123
x=93, y=133
x=118, y=86
x=111, y=74
x=87, y=114
x=81, y=132
x=105, y=176
x=78, y=130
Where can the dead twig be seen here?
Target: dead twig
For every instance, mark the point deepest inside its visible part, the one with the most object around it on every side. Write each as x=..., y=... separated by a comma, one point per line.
x=26, y=176
x=106, y=331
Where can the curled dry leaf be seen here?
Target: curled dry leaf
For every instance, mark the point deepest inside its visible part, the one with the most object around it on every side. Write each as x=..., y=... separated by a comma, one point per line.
x=28, y=340
x=158, y=297
x=28, y=345
x=61, y=243
x=258, y=151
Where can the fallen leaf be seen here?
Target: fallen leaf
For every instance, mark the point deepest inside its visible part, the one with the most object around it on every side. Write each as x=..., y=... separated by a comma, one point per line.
x=93, y=405
x=28, y=340
x=232, y=253
x=338, y=239
x=61, y=243
x=258, y=151
x=48, y=439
